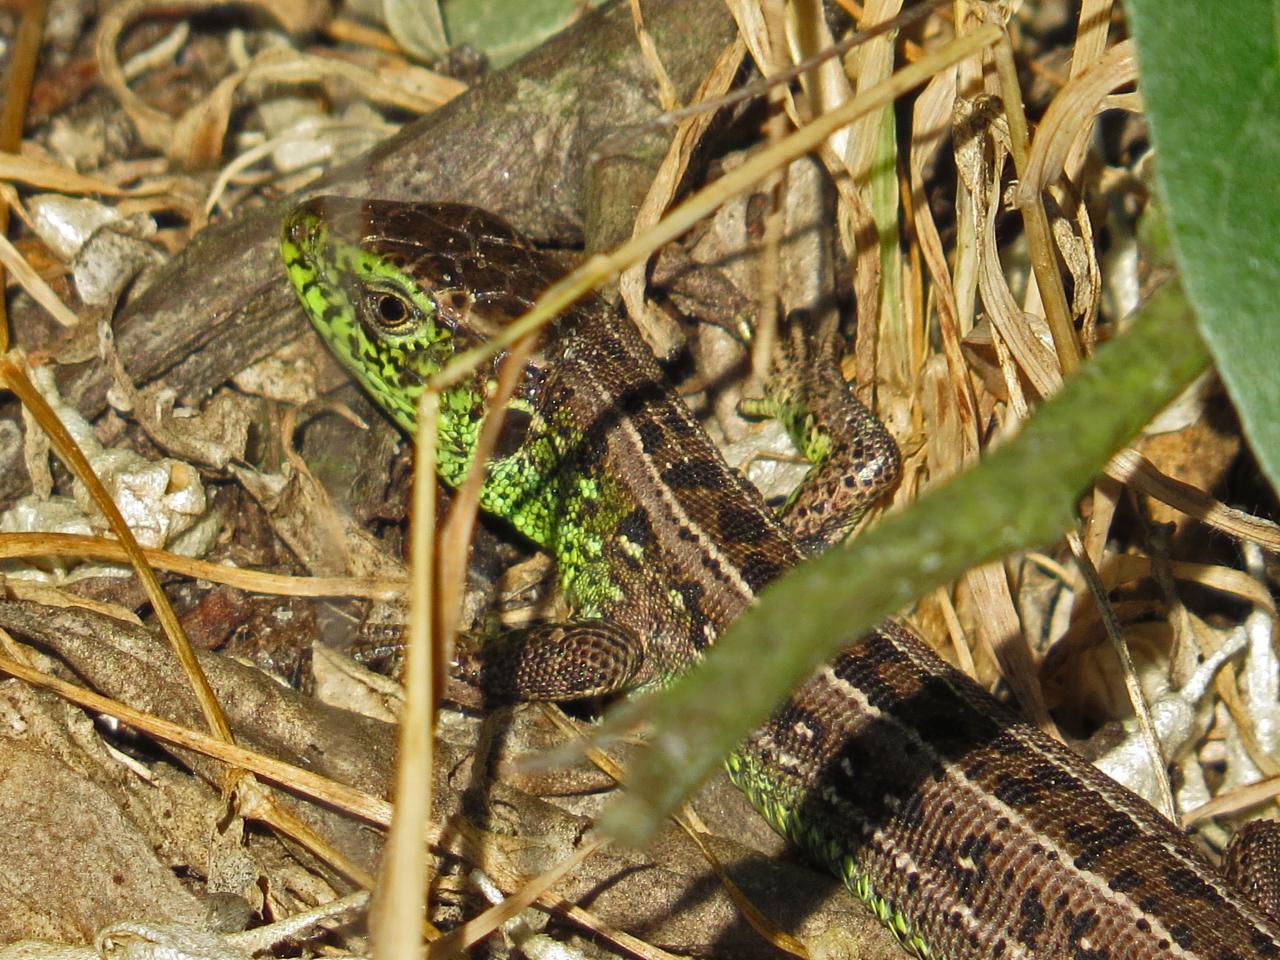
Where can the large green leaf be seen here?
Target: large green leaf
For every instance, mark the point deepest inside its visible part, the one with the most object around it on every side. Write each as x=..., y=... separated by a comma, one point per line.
x=1210, y=78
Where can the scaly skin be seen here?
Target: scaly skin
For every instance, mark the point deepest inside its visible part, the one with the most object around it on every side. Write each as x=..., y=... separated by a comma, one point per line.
x=580, y=444
x=970, y=834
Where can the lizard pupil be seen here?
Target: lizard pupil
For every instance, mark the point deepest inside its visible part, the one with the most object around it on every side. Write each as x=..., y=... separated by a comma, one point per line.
x=392, y=311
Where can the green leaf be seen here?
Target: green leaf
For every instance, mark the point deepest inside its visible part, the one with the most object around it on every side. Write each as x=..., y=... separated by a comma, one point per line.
x=1021, y=496
x=506, y=29
x=1210, y=79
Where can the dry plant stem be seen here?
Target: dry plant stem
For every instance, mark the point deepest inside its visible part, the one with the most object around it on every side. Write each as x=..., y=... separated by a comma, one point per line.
x=46, y=175
x=456, y=538
x=507, y=882
x=32, y=592
x=1129, y=569
x=25, y=49
x=695, y=830
x=666, y=182
x=28, y=545
x=254, y=801
x=873, y=157
x=931, y=118
x=915, y=12
x=766, y=327
x=13, y=112
x=1091, y=42
x=761, y=924
x=774, y=189
x=15, y=379
x=454, y=544
x=633, y=946
x=1001, y=634
x=427, y=689
x=1132, y=468
x=397, y=916
x=466, y=935
x=603, y=267
x=1091, y=35
x=1233, y=801
x=1104, y=500
x=1065, y=127
x=960, y=645
x=295, y=779
x=913, y=294
x=1039, y=239
x=264, y=938
x=1141, y=709
x=667, y=95
x=34, y=284
x=346, y=30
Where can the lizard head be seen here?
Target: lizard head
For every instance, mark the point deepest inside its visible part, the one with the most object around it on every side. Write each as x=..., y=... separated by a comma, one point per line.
x=396, y=290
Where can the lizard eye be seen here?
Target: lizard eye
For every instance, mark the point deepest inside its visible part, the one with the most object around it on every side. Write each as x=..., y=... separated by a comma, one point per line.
x=390, y=312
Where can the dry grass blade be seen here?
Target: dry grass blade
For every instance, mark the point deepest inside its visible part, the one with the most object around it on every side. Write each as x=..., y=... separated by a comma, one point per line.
x=931, y=125
x=24, y=52
x=34, y=284
x=458, y=528
x=13, y=377
x=400, y=897
x=601, y=268
x=666, y=181
x=696, y=831
x=254, y=801
x=47, y=175
x=1234, y=801
x=1069, y=119
x=770, y=931
x=1137, y=698
x=1130, y=467
x=1128, y=568
x=476, y=929
x=370, y=809
x=29, y=545
x=916, y=13
x=1043, y=258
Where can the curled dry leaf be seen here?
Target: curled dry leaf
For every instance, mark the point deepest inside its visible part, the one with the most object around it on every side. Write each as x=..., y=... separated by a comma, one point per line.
x=195, y=138
x=981, y=146
x=1070, y=117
